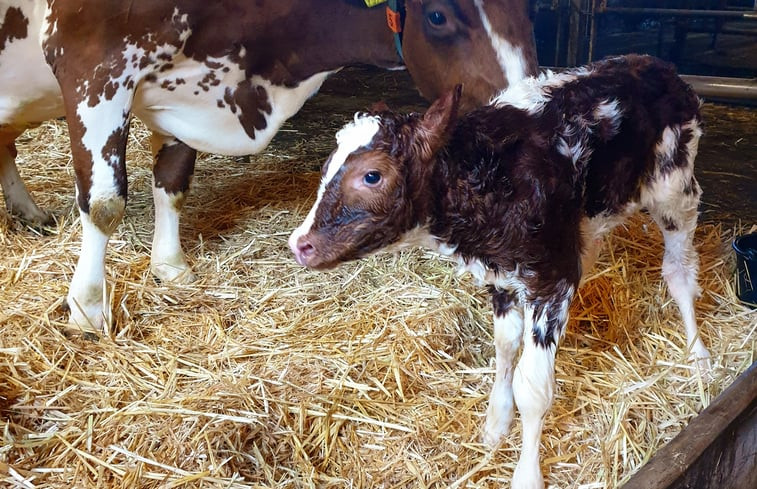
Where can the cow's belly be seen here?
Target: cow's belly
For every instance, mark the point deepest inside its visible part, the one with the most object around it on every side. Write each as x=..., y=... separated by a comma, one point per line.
x=220, y=113
x=29, y=93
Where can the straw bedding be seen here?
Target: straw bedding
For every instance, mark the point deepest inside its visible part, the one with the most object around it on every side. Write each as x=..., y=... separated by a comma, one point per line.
x=265, y=375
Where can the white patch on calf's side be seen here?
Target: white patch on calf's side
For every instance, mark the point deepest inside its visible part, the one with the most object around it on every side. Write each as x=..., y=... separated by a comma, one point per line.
x=609, y=110
x=351, y=137
x=667, y=147
x=510, y=58
x=576, y=151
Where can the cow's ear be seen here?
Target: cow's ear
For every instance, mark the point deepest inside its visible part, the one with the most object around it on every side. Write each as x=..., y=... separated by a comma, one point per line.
x=439, y=120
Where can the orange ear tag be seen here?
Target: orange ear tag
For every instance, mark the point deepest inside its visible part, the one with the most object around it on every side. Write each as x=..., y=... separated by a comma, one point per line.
x=393, y=20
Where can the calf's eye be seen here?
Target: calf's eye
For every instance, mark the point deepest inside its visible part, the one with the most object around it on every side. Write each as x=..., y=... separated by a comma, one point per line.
x=436, y=18
x=372, y=178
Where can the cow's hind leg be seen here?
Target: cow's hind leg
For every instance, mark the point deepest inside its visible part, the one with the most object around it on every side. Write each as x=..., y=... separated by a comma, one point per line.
x=98, y=133
x=672, y=197
x=174, y=165
x=534, y=379
x=508, y=331
x=18, y=201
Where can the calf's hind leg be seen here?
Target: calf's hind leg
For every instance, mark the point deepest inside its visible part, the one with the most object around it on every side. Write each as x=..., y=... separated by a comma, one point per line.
x=672, y=197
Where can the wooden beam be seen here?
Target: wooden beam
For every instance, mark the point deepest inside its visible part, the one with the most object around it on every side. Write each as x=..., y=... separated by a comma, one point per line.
x=718, y=449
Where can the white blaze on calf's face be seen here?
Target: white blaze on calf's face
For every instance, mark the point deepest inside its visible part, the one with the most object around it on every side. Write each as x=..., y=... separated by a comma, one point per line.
x=350, y=138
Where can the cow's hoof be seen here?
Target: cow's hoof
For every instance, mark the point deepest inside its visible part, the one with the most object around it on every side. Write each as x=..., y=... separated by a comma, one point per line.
x=177, y=274
x=88, y=322
x=34, y=217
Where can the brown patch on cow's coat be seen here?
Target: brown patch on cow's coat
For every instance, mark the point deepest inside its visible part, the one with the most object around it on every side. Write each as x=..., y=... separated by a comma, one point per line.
x=253, y=104
x=174, y=166
x=14, y=26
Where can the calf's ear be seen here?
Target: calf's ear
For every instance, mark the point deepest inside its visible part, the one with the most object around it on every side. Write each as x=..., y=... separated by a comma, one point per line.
x=439, y=120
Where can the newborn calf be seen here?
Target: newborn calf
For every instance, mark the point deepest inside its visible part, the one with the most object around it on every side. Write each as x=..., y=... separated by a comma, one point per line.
x=521, y=192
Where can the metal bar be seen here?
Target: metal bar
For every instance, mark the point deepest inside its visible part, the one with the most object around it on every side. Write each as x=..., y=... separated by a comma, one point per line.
x=750, y=15
x=709, y=86
x=723, y=87
x=725, y=30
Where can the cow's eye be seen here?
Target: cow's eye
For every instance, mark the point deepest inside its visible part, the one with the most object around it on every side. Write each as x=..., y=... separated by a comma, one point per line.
x=372, y=178
x=436, y=18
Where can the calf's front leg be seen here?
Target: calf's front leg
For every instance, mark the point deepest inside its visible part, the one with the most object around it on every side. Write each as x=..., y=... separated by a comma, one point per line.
x=508, y=330
x=534, y=380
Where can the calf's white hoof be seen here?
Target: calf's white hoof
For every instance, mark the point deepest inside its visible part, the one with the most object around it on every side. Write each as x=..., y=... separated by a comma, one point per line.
x=527, y=478
x=496, y=428
x=700, y=359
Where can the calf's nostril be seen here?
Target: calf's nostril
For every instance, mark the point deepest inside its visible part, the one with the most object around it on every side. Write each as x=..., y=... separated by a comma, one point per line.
x=305, y=248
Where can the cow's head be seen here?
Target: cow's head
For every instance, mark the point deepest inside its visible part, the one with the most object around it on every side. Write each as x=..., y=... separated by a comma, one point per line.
x=375, y=185
x=485, y=45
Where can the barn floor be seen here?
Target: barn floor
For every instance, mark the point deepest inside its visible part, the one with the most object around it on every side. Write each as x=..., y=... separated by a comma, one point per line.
x=264, y=375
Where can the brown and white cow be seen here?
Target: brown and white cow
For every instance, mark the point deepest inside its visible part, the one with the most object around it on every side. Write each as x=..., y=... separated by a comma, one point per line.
x=521, y=192
x=215, y=76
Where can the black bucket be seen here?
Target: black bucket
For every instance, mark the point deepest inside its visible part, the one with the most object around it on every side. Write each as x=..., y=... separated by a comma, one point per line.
x=746, y=268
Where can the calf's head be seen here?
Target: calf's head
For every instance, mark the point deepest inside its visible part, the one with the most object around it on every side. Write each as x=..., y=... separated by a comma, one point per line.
x=375, y=185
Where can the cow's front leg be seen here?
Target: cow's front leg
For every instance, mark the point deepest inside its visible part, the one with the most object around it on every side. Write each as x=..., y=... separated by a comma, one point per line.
x=534, y=379
x=172, y=173
x=99, y=128
x=508, y=331
x=18, y=201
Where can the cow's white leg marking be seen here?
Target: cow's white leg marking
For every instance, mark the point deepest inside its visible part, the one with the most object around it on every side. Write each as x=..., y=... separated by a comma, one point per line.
x=102, y=130
x=85, y=295
x=18, y=201
x=508, y=331
x=167, y=260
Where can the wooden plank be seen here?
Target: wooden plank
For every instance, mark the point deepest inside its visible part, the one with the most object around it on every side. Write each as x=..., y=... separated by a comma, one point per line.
x=718, y=449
